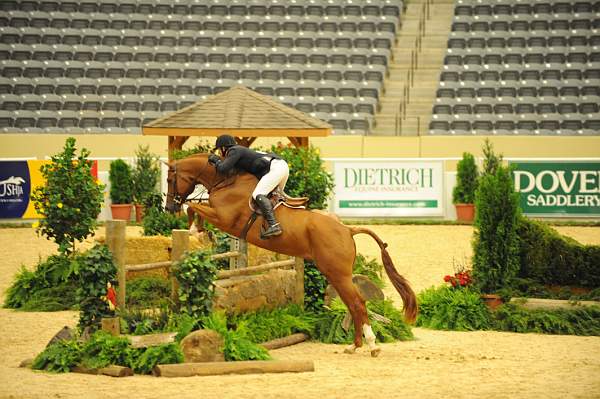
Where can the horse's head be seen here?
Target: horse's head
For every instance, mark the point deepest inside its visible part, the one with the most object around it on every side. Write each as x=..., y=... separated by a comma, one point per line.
x=182, y=178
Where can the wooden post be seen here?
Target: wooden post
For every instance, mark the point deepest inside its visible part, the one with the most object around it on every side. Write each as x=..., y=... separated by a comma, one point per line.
x=299, y=267
x=115, y=240
x=240, y=246
x=180, y=244
x=111, y=325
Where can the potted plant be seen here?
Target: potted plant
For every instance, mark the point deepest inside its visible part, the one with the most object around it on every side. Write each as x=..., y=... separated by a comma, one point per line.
x=121, y=193
x=145, y=176
x=463, y=195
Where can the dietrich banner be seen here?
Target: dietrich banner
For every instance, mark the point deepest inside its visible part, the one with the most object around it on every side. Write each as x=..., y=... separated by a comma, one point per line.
x=375, y=188
x=562, y=188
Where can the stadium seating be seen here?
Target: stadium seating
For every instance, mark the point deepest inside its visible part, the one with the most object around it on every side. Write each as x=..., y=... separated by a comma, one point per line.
x=166, y=54
x=520, y=68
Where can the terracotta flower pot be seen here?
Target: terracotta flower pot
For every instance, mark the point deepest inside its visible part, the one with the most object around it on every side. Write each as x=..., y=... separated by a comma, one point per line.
x=139, y=213
x=121, y=211
x=492, y=301
x=465, y=212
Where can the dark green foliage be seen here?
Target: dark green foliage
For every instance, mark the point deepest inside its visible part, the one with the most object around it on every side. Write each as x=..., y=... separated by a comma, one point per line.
x=103, y=349
x=96, y=269
x=196, y=274
x=220, y=244
x=328, y=327
x=237, y=344
x=446, y=308
x=145, y=174
x=551, y=258
x=121, y=183
x=466, y=180
x=314, y=287
x=491, y=161
x=141, y=320
x=148, y=291
x=200, y=148
x=308, y=177
x=158, y=222
x=143, y=361
x=370, y=268
x=532, y=288
x=496, y=242
x=267, y=325
x=50, y=287
x=71, y=199
x=59, y=357
x=580, y=321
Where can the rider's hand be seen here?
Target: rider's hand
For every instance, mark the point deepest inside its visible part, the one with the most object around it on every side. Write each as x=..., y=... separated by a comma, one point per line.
x=213, y=159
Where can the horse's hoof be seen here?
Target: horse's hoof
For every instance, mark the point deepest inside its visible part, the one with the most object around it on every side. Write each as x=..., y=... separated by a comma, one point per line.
x=375, y=352
x=350, y=349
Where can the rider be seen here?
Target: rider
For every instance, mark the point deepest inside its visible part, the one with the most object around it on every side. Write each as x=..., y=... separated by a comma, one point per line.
x=270, y=169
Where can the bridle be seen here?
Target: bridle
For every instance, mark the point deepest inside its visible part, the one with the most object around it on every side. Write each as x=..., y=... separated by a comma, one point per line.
x=178, y=200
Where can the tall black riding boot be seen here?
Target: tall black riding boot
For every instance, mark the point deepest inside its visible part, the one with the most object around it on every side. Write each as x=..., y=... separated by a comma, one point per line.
x=266, y=208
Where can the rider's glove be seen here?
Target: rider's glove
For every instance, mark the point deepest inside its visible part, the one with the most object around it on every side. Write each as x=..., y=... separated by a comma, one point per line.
x=213, y=159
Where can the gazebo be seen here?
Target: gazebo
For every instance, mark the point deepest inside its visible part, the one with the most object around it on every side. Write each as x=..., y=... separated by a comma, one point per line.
x=241, y=112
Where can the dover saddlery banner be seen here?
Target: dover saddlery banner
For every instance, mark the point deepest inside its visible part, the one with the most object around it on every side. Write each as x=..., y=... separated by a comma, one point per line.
x=367, y=188
x=559, y=188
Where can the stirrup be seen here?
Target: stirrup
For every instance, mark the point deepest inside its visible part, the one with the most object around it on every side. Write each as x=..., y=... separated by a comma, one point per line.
x=271, y=231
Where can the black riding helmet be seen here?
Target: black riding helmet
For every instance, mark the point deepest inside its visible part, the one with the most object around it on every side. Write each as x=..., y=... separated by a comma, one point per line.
x=225, y=141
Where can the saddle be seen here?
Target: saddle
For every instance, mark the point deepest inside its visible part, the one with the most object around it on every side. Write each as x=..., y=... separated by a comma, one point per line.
x=277, y=198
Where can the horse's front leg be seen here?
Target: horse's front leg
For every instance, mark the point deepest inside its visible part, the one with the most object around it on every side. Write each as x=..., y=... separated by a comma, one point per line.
x=205, y=212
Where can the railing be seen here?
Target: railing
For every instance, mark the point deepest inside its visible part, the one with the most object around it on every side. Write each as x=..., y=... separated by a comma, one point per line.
x=424, y=17
x=116, y=241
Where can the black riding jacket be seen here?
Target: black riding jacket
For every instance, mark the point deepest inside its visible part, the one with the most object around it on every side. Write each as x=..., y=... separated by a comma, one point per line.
x=254, y=162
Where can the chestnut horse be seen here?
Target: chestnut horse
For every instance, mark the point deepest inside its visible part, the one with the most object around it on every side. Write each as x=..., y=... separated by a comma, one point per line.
x=307, y=234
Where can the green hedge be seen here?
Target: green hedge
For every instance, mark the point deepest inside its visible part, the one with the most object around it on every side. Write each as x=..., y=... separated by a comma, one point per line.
x=551, y=258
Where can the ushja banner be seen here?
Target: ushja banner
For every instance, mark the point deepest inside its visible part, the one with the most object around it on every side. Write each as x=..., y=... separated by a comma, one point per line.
x=18, y=180
x=365, y=188
x=562, y=188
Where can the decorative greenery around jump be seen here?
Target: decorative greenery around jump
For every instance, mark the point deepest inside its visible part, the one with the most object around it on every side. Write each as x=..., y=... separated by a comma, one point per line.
x=65, y=282
x=466, y=180
x=71, y=199
x=121, y=182
x=102, y=350
x=446, y=308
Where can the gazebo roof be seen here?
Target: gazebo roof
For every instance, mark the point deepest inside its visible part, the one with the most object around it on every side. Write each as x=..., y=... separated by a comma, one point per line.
x=240, y=112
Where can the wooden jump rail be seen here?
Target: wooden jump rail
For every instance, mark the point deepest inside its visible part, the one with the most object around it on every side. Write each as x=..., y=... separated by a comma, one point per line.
x=115, y=239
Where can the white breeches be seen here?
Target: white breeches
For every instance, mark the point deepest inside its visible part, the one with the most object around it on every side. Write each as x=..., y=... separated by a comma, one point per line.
x=277, y=176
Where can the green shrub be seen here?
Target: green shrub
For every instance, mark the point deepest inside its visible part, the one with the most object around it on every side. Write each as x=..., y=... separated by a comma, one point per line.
x=329, y=329
x=237, y=345
x=370, y=268
x=145, y=175
x=308, y=177
x=496, y=242
x=148, y=291
x=121, y=183
x=96, y=269
x=201, y=148
x=59, y=357
x=71, y=199
x=491, y=160
x=445, y=308
x=158, y=222
x=314, y=287
x=267, y=325
x=50, y=287
x=196, y=274
x=466, y=180
x=143, y=361
x=550, y=258
x=103, y=349
x=580, y=321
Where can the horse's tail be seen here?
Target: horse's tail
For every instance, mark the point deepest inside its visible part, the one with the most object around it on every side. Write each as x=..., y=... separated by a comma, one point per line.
x=400, y=283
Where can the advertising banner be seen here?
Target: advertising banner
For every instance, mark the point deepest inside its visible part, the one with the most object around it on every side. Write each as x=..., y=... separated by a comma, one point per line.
x=365, y=188
x=18, y=180
x=559, y=188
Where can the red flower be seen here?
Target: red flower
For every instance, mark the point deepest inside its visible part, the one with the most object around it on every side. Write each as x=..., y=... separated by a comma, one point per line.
x=447, y=278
